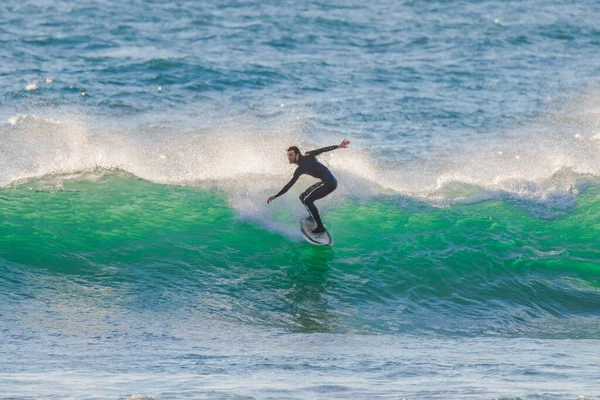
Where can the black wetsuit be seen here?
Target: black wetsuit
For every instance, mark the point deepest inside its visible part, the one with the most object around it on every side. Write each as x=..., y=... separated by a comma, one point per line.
x=308, y=164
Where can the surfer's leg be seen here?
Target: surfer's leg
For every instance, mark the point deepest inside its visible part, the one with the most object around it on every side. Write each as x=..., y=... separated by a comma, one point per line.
x=305, y=194
x=318, y=191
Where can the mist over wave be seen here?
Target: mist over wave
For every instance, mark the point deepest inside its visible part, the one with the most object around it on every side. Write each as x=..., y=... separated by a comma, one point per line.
x=545, y=164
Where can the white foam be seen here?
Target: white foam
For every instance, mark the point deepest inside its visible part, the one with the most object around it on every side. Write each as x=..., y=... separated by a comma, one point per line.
x=24, y=118
x=141, y=53
x=137, y=397
x=245, y=158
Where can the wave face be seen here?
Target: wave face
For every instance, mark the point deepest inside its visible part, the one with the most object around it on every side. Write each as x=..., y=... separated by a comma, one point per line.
x=398, y=265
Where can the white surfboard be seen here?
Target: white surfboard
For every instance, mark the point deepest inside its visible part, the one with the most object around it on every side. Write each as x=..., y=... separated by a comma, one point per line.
x=319, y=239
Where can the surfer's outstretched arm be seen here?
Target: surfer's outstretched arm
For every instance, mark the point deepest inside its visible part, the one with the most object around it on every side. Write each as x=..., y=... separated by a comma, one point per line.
x=287, y=186
x=342, y=145
x=316, y=152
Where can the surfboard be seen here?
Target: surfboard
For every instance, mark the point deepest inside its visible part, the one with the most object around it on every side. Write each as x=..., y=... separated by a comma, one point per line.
x=319, y=239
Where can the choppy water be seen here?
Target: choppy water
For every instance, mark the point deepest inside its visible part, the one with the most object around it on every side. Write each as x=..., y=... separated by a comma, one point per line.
x=139, y=142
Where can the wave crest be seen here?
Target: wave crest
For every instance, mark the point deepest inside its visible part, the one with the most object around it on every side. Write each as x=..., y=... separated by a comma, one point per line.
x=545, y=168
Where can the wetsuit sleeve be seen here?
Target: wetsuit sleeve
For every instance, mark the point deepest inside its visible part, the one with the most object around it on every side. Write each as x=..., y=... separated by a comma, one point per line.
x=290, y=183
x=315, y=153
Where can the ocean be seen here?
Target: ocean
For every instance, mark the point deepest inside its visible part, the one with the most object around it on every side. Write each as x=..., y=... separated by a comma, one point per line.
x=140, y=140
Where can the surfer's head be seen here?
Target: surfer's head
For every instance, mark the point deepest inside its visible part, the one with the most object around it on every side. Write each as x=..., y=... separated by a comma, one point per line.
x=293, y=154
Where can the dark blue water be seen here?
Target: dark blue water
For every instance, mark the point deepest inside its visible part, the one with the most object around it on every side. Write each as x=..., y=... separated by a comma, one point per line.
x=139, y=141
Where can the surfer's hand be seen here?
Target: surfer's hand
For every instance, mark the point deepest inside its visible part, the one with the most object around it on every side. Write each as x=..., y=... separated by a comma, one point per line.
x=271, y=199
x=344, y=144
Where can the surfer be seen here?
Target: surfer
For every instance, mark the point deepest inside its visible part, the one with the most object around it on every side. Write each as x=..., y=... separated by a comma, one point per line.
x=308, y=164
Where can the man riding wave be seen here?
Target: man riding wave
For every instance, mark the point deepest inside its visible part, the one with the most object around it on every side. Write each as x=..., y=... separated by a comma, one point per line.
x=308, y=164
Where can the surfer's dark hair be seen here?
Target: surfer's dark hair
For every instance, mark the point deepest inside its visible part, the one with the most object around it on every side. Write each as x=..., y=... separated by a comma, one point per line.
x=295, y=149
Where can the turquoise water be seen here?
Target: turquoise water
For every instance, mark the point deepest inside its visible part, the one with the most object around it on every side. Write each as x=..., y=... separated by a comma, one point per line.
x=140, y=141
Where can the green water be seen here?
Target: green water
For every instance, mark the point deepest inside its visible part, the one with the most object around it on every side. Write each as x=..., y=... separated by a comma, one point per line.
x=397, y=264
